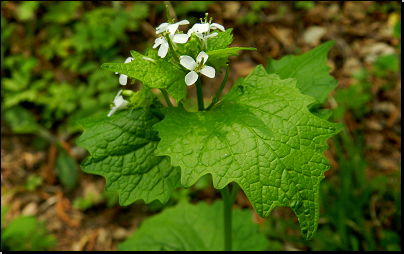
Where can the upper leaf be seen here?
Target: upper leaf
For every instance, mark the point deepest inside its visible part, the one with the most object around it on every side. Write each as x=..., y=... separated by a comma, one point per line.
x=199, y=227
x=219, y=57
x=310, y=70
x=261, y=136
x=157, y=74
x=221, y=41
x=122, y=150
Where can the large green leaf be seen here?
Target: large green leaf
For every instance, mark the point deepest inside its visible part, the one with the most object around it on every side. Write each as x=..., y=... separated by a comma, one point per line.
x=199, y=227
x=310, y=70
x=158, y=73
x=261, y=136
x=122, y=150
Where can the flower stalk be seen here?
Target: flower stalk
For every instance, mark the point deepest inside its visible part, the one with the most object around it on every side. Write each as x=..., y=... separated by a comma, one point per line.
x=171, y=47
x=199, y=94
x=165, y=94
x=215, y=98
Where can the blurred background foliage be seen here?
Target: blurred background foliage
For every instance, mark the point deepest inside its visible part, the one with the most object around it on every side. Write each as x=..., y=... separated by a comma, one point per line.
x=51, y=54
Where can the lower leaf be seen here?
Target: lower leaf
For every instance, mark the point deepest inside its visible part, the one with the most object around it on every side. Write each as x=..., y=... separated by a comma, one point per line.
x=122, y=150
x=199, y=227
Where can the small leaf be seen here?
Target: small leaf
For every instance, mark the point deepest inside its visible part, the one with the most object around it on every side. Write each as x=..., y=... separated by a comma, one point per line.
x=122, y=150
x=21, y=120
x=310, y=70
x=262, y=137
x=221, y=41
x=157, y=74
x=67, y=169
x=199, y=227
x=219, y=57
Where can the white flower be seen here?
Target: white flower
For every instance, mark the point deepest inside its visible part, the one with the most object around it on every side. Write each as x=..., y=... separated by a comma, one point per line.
x=164, y=26
x=119, y=102
x=195, y=67
x=202, y=30
x=205, y=28
x=123, y=79
x=175, y=38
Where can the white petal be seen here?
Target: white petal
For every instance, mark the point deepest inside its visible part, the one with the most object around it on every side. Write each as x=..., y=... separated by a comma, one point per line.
x=200, y=35
x=200, y=55
x=158, y=41
x=129, y=59
x=211, y=35
x=120, y=104
x=217, y=26
x=123, y=79
x=203, y=27
x=172, y=28
x=112, y=111
x=180, y=38
x=208, y=71
x=183, y=22
x=188, y=62
x=163, y=50
x=161, y=28
x=117, y=96
x=193, y=29
x=191, y=78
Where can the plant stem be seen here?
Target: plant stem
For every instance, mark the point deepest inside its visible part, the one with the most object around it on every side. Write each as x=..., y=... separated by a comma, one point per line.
x=165, y=94
x=170, y=45
x=199, y=94
x=215, y=97
x=227, y=212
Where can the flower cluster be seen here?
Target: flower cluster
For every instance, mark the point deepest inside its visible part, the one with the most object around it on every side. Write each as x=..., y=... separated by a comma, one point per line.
x=168, y=38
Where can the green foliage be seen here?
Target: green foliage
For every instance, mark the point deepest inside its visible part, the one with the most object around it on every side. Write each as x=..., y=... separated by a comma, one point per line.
x=88, y=201
x=306, y=5
x=353, y=195
x=185, y=7
x=122, y=150
x=385, y=64
x=69, y=38
x=384, y=7
x=356, y=97
x=26, y=9
x=67, y=170
x=199, y=227
x=263, y=130
x=253, y=16
x=25, y=233
x=33, y=182
x=397, y=29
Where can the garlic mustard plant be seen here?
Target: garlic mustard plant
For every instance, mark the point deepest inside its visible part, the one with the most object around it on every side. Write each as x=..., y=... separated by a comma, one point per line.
x=266, y=136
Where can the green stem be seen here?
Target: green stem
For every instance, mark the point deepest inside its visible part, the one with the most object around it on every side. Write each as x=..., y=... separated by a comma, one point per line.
x=234, y=192
x=165, y=94
x=170, y=45
x=199, y=94
x=227, y=213
x=215, y=97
